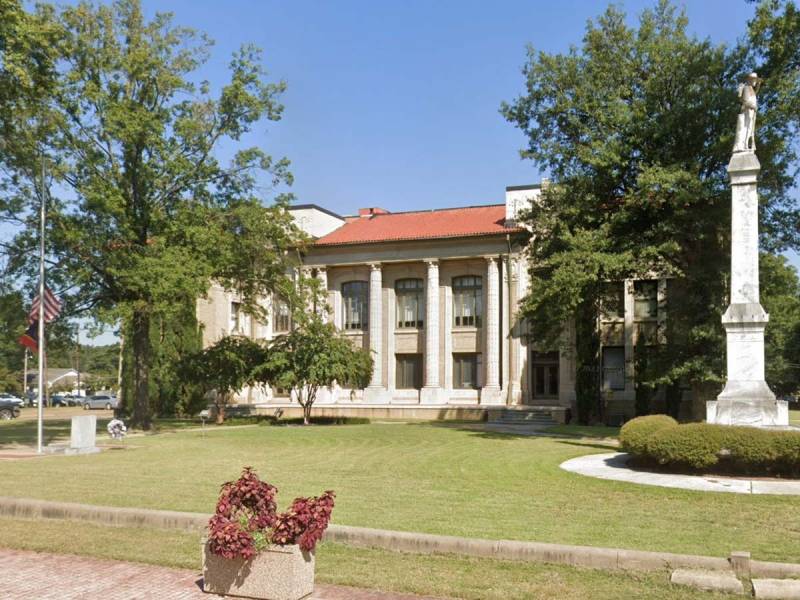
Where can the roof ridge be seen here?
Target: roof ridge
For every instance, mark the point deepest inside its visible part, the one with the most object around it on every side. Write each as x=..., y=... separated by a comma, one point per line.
x=430, y=210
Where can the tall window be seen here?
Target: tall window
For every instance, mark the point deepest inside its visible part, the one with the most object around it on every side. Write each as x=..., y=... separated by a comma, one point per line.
x=281, y=316
x=467, y=301
x=408, y=371
x=237, y=318
x=465, y=370
x=613, y=367
x=410, y=302
x=544, y=370
x=645, y=299
x=612, y=300
x=355, y=301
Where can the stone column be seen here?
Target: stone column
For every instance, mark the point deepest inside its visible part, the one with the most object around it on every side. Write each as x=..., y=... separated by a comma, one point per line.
x=432, y=391
x=746, y=399
x=323, y=307
x=376, y=324
x=490, y=394
x=515, y=349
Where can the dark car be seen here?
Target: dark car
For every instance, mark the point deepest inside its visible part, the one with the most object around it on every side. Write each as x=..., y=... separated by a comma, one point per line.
x=59, y=400
x=8, y=410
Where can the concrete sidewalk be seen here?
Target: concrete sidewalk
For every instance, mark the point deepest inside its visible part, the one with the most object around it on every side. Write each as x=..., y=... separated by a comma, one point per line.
x=42, y=576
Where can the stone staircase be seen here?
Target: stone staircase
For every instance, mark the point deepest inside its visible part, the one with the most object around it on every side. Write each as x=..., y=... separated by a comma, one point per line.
x=535, y=416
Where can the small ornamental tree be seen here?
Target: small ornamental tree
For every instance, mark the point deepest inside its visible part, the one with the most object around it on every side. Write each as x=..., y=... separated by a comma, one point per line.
x=312, y=356
x=224, y=367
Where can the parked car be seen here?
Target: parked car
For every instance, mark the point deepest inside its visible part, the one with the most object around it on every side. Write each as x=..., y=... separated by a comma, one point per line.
x=8, y=410
x=6, y=397
x=59, y=400
x=101, y=401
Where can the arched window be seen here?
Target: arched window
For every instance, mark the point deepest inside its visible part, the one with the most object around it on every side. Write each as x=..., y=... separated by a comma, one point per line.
x=410, y=303
x=355, y=303
x=467, y=301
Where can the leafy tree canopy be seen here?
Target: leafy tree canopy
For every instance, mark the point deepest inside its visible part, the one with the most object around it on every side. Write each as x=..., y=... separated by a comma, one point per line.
x=636, y=126
x=143, y=214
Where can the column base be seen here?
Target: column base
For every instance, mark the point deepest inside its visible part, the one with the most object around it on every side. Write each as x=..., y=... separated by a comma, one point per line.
x=432, y=395
x=516, y=394
x=749, y=403
x=492, y=395
x=377, y=395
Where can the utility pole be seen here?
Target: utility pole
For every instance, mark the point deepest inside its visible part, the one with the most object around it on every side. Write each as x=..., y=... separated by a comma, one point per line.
x=40, y=408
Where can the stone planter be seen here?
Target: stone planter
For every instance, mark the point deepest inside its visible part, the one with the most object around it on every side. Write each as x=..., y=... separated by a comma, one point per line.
x=275, y=573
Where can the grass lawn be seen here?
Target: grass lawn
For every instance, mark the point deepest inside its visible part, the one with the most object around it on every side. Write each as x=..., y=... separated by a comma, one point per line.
x=440, y=575
x=419, y=477
x=794, y=417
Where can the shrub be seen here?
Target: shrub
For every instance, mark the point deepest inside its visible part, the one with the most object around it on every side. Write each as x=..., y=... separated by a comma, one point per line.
x=246, y=518
x=695, y=445
x=635, y=432
x=721, y=448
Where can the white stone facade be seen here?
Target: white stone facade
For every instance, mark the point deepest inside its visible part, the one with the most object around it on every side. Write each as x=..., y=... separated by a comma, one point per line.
x=445, y=356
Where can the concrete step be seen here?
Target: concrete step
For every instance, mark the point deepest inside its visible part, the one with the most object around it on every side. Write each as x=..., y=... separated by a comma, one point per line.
x=534, y=416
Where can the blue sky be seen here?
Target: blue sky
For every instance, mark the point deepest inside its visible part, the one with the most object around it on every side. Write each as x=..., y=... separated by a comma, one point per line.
x=395, y=104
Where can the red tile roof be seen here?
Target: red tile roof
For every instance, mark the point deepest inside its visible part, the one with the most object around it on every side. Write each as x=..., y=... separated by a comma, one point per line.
x=420, y=225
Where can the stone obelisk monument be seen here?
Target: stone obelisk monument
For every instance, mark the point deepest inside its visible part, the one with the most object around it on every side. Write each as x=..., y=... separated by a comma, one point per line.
x=746, y=399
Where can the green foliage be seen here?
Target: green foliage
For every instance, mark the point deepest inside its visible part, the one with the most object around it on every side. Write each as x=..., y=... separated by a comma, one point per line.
x=780, y=296
x=636, y=128
x=312, y=356
x=720, y=448
x=144, y=215
x=223, y=368
x=634, y=434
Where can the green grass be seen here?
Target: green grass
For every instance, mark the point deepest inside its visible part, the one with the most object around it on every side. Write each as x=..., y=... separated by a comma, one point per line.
x=440, y=575
x=420, y=477
x=794, y=417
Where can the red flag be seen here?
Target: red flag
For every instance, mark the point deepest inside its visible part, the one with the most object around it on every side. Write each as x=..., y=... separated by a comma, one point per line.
x=30, y=338
x=52, y=307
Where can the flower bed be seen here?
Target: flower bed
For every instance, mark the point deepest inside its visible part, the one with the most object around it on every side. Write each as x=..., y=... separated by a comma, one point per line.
x=659, y=441
x=253, y=550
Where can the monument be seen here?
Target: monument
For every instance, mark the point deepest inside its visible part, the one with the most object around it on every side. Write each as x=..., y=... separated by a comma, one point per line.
x=746, y=398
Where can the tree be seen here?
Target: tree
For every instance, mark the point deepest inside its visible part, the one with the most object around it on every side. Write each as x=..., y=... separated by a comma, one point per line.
x=636, y=128
x=780, y=295
x=144, y=216
x=224, y=368
x=312, y=356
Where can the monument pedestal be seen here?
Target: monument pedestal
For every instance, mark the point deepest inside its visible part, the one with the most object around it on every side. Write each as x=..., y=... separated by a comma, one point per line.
x=746, y=398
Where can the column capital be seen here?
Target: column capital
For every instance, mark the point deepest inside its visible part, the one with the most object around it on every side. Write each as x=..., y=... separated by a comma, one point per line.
x=431, y=262
x=322, y=269
x=375, y=266
x=490, y=259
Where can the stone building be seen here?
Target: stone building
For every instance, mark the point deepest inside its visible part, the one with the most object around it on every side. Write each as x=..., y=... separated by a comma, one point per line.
x=434, y=295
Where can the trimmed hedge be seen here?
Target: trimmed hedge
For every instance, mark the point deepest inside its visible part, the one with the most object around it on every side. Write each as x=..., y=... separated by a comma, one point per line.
x=718, y=448
x=636, y=432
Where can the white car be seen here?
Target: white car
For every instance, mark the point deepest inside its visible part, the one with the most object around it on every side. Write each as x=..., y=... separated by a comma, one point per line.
x=12, y=398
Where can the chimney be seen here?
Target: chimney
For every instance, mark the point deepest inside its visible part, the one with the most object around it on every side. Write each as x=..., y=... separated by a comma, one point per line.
x=372, y=211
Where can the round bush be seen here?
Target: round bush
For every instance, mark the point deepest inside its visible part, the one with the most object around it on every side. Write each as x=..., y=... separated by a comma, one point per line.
x=696, y=445
x=636, y=432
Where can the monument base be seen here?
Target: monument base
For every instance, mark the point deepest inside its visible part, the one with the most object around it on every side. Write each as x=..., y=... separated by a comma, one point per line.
x=749, y=403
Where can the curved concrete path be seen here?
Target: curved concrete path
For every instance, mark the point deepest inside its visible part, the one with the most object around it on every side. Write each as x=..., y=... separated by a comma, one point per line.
x=614, y=466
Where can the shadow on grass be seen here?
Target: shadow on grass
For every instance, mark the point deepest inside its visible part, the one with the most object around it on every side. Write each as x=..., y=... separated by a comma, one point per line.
x=610, y=447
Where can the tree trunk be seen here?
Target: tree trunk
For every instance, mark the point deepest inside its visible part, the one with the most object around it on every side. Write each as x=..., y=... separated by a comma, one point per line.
x=220, y=401
x=141, y=369
x=307, y=413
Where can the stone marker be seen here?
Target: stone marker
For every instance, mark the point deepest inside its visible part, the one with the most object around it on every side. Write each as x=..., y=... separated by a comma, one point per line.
x=783, y=589
x=83, y=434
x=715, y=581
x=746, y=399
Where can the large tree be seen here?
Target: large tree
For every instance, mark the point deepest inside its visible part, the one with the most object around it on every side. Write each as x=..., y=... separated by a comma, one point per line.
x=635, y=126
x=144, y=215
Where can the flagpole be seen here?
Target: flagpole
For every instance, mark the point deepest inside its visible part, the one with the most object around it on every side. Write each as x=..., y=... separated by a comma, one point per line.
x=39, y=425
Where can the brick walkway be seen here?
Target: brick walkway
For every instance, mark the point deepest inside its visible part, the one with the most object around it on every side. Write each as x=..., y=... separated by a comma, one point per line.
x=40, y=576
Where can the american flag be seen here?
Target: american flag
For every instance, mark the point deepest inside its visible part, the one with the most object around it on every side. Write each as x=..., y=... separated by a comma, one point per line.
x=52, y=307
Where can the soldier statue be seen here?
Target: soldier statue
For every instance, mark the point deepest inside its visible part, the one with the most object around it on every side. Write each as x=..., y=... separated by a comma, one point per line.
x=746, y=122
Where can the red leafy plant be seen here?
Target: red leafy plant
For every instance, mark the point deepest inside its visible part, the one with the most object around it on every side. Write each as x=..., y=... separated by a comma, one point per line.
x=246, y=518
